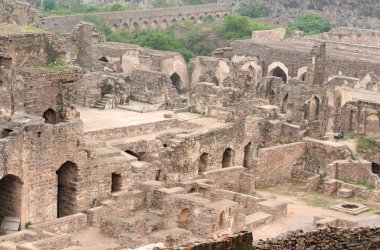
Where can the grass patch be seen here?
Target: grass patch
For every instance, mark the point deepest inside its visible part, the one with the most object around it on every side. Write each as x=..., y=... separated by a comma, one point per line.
x=366, y=145
x=290, y=121
x=58, y=65
x=254, y=112
x=318, y=202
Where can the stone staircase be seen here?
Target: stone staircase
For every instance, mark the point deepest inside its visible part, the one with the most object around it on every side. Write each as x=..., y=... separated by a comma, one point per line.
x=257, y=219
x=107, y=102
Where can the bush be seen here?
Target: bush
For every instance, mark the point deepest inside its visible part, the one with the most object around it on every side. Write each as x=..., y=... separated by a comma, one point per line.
x=193, y=2
x=161, y=4
x=236, y=26
x=310, y=24
x=254, y=11
x=49, y=5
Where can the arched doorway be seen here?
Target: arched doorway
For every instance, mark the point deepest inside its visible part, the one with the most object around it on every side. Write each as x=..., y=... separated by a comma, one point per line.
x=252, y=73
x=302, y=77
x=372, y=125
x=67, y=190
x=314, y=109
x=247, y=155
x=135, y=26
x=203, y=161
x=10, y=196
x=50, y=116
x=278, y=72
x=184, y=218
x=284, y=106
x=228, y=158
x=176, y=81
x=222, y=220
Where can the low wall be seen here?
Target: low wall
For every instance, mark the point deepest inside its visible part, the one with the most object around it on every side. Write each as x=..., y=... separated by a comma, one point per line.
x=66, y=224
x=225, y=178
x=355, y=172
x=327, y=238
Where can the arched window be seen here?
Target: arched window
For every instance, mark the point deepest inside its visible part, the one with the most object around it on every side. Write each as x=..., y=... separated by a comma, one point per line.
x=278, y=72
x=176, y=81
x=203, y=161
x=247, y=155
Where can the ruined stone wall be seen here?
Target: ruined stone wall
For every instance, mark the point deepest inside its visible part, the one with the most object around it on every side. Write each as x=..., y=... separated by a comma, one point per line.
x=20, y=13
x=32, y=49
x=353, y=36
x=360, y=117
x=35, y=153
x=34, y=91
x=320, y=153
x=330, y=237
x=132, y=20
x=270, y=170
x=352, y=171
x=151, y=87
x=295, y=59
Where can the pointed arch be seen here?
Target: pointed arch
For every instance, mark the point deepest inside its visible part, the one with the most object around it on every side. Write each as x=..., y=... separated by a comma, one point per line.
x=278, y=69
x=202, y=163
x=314, y=108
x=176, y=81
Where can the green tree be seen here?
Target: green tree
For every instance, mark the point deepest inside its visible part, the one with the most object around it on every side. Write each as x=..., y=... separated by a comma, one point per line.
x=254, y=11
x=310, y=24
x=161, y=4
x=49, y=5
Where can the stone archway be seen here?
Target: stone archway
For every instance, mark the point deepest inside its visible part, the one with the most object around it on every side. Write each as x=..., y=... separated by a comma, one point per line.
x=10, y=196
x=278, y=69
x=67, y=189
x=176, y=81
x=184, y=218
x=372, y=127
x=247, y=155
x=50, y=116
x=228, y=158
x=314, y=108
x=222, y=220
x=202, y=163
x=135, y=26
x=116, y=183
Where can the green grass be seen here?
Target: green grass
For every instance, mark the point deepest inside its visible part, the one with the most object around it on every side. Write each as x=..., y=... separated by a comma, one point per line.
x=254, y=113
x=366, y=145
x=318, y=202
x=290, y=121
x=58, y=65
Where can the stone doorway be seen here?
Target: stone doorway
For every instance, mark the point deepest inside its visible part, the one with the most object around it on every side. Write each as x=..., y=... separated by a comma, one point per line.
x=116, y=182
x=50, y=116
x=228, y=158
x=176, y=81
x=247, y=155
x=67, y=190
x=10, y=196
x=203, y=162
x=184, y=218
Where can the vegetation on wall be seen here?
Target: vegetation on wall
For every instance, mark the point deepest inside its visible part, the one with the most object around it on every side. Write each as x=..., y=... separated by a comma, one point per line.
x=71, y=7
x=309, y=23
x=186, y=37
x=366, y=145
x=254, y=11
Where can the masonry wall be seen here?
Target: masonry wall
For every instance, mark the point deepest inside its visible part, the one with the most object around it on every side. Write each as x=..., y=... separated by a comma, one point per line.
x=270, y=170
x=19, y=13
x=327, y=238
x=132, y=20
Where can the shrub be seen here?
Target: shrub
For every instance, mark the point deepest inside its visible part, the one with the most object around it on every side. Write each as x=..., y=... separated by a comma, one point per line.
x=49, y=5
x=366, y=145
x=236, y=26
x=254, y=11
x=161, y=4
x=310, y=24
x=193, y=2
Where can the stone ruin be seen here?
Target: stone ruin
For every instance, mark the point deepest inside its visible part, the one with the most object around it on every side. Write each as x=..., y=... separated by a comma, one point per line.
x=135, y=147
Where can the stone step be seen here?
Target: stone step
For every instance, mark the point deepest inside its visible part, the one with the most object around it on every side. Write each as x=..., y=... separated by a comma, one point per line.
x=257, y=219
x=94, y=143
x=99, y=106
